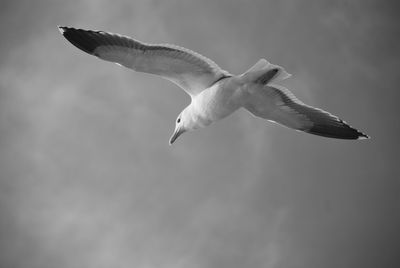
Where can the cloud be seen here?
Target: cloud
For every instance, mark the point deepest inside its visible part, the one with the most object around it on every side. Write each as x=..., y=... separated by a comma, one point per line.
x=87, y=177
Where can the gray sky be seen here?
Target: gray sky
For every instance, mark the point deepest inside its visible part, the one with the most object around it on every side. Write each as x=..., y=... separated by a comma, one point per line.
x=87, y=178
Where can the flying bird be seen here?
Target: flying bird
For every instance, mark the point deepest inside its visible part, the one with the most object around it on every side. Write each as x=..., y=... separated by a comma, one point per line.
x=215, y=93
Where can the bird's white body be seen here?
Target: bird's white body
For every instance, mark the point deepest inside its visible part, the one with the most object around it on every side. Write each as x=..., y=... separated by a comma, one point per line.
x=227, y=95
x=216, y=102
x=215, y=93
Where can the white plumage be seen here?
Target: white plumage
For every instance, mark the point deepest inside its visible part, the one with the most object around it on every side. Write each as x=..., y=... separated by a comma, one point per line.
x=215, y=93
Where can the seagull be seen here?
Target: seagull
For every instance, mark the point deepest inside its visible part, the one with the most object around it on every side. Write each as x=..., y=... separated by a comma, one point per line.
x=215, y=93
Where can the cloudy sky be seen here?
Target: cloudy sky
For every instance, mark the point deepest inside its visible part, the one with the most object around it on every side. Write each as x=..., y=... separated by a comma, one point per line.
x=87, y=178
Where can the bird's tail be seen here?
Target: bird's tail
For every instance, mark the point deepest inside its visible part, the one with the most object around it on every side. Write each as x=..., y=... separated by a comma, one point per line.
x=264, y=72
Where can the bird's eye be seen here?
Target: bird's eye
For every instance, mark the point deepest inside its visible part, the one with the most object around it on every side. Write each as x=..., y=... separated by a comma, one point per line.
x=178, y=121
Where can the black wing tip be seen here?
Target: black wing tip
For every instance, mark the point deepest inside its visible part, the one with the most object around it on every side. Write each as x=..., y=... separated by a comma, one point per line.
x=343, y=131
x=64, y=30
x=82, y=39
x=67, y=29
x=357, y=134
x=363, y=136
x=61, y=28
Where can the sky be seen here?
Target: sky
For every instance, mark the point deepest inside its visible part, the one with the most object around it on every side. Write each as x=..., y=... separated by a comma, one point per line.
x=88, y=179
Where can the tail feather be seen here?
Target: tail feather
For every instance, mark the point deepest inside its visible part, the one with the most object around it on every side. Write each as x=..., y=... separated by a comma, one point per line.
x=274, y=73
x=264, y=72
x=260, y=65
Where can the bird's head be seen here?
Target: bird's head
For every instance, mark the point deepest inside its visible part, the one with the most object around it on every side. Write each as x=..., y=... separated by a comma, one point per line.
x=180, y=127
x=186, y=121
x=189, y=119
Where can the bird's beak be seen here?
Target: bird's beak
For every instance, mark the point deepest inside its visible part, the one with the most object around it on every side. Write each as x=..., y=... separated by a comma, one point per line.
x=176, y=134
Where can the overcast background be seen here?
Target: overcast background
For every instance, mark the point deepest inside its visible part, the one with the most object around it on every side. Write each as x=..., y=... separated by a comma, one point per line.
x=87, y=178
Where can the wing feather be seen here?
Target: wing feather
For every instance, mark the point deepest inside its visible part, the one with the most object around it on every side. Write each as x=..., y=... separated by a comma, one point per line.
x=186, y=68
x=278, y=104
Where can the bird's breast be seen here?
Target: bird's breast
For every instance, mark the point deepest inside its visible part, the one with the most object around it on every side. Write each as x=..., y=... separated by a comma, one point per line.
x=218, y=101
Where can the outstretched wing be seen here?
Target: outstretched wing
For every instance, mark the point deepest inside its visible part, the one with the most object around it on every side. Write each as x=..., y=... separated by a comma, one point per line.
x=278, y=104
x=188, y=69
